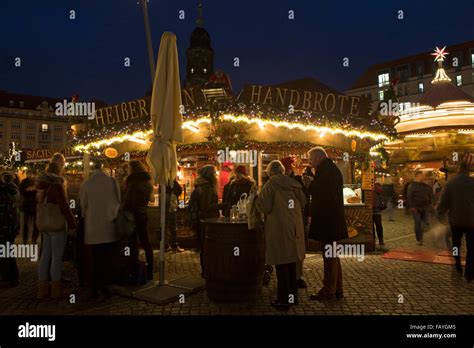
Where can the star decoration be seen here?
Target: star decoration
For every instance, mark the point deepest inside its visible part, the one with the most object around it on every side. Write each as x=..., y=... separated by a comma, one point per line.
x=439, y=54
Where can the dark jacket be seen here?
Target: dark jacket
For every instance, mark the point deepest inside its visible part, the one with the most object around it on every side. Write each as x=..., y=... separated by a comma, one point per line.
x=328, y=223
x=306, y=208
x=172, y=194
x=378, y=201
x=232, y=192
x=9, y=217
x=203, y=203
x=138, y=190
x=457, y=198
x=388, y=193
x=53, y=185
x=419, y=195
x=28, y=198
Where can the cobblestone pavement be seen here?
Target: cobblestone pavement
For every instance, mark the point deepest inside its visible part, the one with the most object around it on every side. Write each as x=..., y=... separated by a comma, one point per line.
x=375, y=286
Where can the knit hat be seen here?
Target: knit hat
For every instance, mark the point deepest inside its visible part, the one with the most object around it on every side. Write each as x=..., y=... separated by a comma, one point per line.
x=241, y=170
x=287, y=162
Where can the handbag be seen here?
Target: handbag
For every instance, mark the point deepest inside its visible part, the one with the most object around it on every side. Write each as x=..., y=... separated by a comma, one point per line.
x=124, y=224
x=49, y=217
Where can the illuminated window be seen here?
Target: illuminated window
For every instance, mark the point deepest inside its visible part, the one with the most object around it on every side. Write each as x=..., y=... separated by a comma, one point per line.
x=16, y=125
x=421, y=87
x=44, y=127
x=380, y=95
x=384, y=79
x=458, y=80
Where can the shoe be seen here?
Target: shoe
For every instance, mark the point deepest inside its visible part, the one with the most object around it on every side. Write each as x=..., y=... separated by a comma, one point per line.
x=339, y=295
x=43, y=289
x=57, y=291
x=469, y=279
x=382, y=243
x=301, y=284
x=419, y=242
x=280, y=306
x=177, y=249
x=168, y=249
x=322, y=296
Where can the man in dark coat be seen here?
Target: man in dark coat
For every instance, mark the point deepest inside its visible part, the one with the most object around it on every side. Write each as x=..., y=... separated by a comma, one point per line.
x=420, y=198
x=457, y=199
x=328, y=223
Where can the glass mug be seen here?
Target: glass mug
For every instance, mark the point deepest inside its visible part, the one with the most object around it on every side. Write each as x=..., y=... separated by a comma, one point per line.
x=234, y=213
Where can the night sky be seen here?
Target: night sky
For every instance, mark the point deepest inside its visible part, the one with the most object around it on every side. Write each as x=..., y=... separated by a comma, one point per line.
x=62, y=57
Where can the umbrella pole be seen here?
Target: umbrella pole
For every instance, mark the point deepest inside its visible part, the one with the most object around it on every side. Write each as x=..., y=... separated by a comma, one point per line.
x=163, y=231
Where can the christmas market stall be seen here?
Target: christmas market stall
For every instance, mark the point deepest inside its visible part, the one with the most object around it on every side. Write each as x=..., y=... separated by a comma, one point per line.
x=260, y=124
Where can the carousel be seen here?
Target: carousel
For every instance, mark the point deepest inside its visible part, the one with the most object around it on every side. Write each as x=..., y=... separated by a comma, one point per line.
x=436, y=133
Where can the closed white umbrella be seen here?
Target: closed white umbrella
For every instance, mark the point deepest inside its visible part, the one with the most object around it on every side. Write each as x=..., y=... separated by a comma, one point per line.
x=166, y=123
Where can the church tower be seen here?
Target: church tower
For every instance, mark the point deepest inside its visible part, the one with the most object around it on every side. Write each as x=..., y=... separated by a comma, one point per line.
x=200, y=55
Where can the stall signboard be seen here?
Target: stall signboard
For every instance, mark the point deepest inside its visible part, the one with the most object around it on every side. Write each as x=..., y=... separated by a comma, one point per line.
x=139, y=109
x=368, y=179
x=41, y=154
x=322, y=100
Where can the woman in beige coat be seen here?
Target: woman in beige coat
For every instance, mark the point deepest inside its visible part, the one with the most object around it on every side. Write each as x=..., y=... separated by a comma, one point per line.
x=281, y=200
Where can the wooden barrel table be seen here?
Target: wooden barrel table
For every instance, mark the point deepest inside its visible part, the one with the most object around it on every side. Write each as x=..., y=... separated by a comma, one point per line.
x=233, y=260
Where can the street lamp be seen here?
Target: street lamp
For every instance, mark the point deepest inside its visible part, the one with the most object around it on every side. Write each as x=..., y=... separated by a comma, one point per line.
x=151, y=57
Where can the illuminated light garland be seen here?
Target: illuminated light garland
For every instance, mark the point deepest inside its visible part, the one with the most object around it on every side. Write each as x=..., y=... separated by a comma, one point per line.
x=466, y=131
x=300, y=120
x=193, y=125
x=373, y=150
x=304, y=127
x=419, y=135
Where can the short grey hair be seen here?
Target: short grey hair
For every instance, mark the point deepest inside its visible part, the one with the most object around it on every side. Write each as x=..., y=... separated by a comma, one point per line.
x=318, y=149
x=275, y=167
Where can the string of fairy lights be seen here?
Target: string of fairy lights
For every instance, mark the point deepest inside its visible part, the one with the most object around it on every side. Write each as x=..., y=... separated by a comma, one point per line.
x=94, y=139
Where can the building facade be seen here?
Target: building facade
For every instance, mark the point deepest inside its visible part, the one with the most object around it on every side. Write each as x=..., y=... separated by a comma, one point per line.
x=412, y=75
x=31, y=123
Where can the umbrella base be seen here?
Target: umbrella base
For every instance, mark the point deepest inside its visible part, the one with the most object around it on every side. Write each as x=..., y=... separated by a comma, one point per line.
x=175, y=290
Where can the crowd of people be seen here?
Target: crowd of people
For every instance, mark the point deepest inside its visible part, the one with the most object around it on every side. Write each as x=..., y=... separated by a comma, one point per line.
x=101, y=255
x=292, y=208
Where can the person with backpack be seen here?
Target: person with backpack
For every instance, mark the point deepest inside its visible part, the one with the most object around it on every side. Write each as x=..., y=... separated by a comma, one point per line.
x=28, y=207
x=9, y=226
x=420, y=199
x=52, y=210
x=138, y=191
x=100, y=202
x=203, y=203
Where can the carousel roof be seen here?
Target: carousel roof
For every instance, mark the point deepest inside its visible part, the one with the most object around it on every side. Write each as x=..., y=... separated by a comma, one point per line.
x=443, y=92
x=443, y=106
